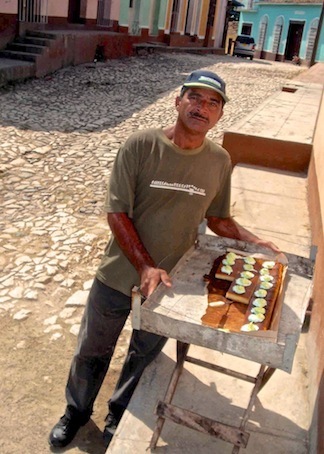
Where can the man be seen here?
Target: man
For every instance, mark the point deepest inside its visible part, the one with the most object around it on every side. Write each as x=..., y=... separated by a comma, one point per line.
x=164, y=183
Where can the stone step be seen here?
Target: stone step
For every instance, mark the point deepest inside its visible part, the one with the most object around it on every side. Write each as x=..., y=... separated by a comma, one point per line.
x=26, y=56
x=38, y=41
x=24, y=47
x=40, y=34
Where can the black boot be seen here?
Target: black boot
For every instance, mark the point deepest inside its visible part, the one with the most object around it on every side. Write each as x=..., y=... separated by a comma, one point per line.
x=110, y=428
x=64, y=431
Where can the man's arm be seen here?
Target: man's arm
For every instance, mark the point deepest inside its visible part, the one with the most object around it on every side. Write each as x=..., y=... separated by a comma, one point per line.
x=229, y=228
x=130, y=243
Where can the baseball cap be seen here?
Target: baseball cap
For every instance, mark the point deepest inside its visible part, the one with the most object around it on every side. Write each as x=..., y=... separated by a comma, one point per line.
x=206, y=79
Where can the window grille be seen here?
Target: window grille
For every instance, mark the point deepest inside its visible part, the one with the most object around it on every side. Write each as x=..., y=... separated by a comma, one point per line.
x=262, y=33
x=35, y=11
x=311, y=38
x=277, y=35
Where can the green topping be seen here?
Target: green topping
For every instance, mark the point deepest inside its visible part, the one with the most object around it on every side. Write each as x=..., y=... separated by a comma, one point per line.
x=227, y=269
x=260, y=293
x=243, y=281
x=266, y=278
x=258, y=310
x=256, y=318
x=247, y=274
x=268, y=265
x=259, y=302
x=248, y=267
x=266, y=285
x=239, y=289
x=249, y=327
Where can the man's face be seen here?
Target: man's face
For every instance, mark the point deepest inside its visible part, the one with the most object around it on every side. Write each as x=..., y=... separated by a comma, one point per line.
x=199, y=109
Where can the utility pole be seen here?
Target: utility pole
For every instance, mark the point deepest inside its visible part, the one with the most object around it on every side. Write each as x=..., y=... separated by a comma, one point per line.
x=317, y=37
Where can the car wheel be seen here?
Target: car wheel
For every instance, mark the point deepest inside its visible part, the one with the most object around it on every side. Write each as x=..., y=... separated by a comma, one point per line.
x=251, y=58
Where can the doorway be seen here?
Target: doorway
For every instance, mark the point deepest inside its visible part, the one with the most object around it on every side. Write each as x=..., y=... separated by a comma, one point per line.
x=103, y=13
x=74, y=12
x=294, y=37
x=175, y=16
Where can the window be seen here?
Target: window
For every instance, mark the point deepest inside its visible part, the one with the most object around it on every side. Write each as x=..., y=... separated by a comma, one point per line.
x=246, y=29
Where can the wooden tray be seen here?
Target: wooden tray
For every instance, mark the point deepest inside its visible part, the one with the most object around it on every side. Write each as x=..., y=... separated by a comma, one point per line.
x=232, y=314
x=176, y=312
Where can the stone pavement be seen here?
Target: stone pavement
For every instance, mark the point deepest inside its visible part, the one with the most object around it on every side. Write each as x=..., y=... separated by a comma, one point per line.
x=59, y=136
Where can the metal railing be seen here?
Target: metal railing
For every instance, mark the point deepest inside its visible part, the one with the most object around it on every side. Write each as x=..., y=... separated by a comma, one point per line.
x=35, y=11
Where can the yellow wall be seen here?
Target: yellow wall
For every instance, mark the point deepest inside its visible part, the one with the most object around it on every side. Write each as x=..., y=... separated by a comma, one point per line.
x=183, y=15
x=168, y=15
x=203, y=18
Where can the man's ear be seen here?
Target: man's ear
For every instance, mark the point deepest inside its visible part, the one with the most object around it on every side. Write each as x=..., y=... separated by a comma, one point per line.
x=177, y=102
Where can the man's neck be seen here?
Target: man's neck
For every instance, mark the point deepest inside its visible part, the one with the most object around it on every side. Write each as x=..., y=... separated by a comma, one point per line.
x=183, y=139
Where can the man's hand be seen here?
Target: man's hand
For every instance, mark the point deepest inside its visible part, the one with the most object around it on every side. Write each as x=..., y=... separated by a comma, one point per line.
x=229, y=228
x=268, y=244
x=150, y=279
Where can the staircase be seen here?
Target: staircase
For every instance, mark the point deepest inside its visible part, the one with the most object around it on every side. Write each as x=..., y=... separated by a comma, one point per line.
x=29, y=47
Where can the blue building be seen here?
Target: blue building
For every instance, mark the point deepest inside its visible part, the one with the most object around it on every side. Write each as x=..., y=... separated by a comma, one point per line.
x=285, y=29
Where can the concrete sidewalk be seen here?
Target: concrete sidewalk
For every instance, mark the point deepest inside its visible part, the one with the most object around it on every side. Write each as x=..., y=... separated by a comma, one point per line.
x=280, y=418
x=15, y=70
x=273, y=204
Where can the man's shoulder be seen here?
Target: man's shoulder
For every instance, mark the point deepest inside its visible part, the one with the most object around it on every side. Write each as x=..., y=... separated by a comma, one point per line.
x=144, y=135
x=217, y=149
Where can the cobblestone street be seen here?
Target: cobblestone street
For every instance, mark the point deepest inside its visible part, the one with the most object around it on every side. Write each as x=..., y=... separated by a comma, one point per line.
x=58, y=139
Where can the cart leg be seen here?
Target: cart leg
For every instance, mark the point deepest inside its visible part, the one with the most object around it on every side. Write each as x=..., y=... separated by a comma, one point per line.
x=182, y=350
x=255, y=390
x=266, y=376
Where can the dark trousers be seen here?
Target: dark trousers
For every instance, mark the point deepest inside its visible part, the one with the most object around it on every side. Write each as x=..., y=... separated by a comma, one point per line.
x=104, y=318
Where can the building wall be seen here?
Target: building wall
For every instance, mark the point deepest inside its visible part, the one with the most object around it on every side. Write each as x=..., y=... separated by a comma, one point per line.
x=8, y=21
x=91, y=9
x=203, y=18
x=301, y=12
x=315, y=338
x=126, y=14
x=58, y=9
x=115, y=10
x=219, y=22
x=8, y=6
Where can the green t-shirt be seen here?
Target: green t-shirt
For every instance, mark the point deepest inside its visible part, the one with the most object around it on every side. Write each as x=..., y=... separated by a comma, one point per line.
x=167, y=191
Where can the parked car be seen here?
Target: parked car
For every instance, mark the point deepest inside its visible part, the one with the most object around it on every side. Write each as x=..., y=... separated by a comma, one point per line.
x=244, y=46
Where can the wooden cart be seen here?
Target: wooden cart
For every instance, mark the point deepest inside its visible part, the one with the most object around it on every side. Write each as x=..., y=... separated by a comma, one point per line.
x=177, y=312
